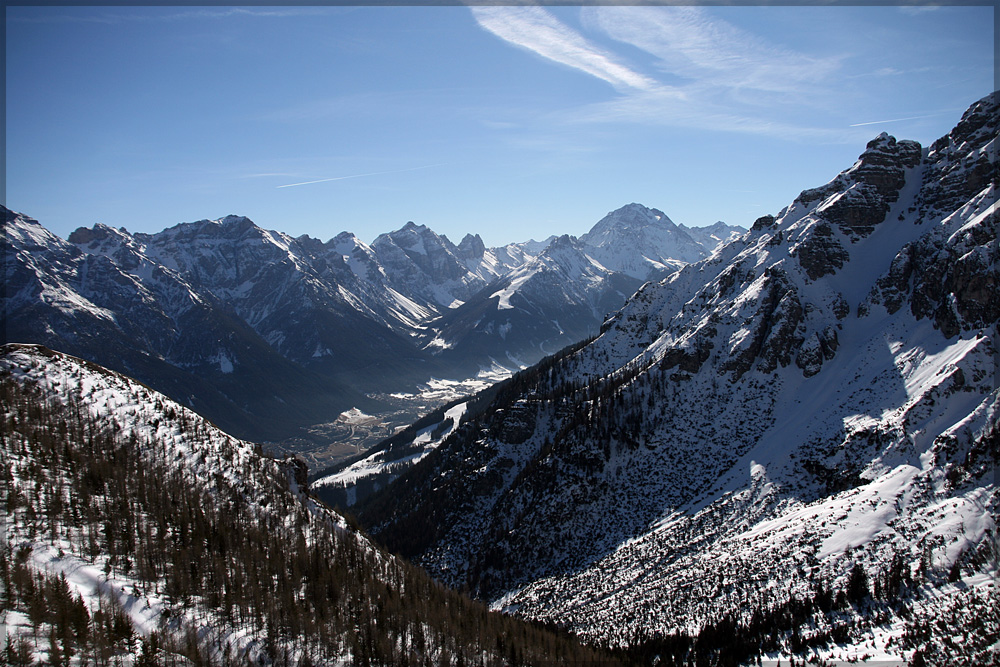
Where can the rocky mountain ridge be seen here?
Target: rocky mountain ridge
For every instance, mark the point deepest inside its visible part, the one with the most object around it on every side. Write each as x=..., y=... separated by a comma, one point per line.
x=813, y=405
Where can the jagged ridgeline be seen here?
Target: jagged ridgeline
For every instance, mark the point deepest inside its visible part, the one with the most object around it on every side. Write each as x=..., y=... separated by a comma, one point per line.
x=270, y=336
x=812, y=408
x=137, y=531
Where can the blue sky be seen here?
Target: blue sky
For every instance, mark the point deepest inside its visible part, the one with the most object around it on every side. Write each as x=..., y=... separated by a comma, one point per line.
x=510, y=122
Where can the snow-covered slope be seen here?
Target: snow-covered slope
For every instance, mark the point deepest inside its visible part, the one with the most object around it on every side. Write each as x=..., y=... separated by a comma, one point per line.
x=428, y=264
x=135, y=532
x=301, y=295
x=713, y=236
x=810, y=409
x=380, y=465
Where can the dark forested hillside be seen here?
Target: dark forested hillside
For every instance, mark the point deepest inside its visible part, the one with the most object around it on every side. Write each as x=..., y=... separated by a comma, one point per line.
x=134, y=529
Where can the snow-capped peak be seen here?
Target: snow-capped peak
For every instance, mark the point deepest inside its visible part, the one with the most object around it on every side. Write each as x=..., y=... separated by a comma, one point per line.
x=641, y=242
x=630, y=218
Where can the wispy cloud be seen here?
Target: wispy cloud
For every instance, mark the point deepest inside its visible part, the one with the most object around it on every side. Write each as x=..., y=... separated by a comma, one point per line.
x=691, y=43
x=267, y=174
x=537, y=30
x=697, y=112
x=705, y=73
x=374, y=173
x=914, y=10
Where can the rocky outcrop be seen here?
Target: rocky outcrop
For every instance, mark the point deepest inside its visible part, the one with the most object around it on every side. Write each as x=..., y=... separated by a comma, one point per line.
x=426, y=265
x=471, y=247
x=950, y=279
x=859, y=198
x=821, y=254
x=962, y=163
x=949, y=276
x=814, y=350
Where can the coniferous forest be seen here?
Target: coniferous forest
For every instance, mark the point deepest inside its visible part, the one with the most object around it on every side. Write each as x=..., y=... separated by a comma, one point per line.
x=244, y=566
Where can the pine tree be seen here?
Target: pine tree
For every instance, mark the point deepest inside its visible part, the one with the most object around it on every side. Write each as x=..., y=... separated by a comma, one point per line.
x=857, y=584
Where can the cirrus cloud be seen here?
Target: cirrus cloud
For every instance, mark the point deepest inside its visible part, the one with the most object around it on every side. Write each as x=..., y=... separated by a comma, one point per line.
x=704, y=72
x=536, y=30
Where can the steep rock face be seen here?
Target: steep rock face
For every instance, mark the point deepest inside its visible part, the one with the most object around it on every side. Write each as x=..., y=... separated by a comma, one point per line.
x=359, y=256
x=848, y=207
x=962, y=163
x=471, y=248
x=949, y=278
x=949, y=275
x=749, y=428
x=427, y=264
x=489, y=264
x=859, y=198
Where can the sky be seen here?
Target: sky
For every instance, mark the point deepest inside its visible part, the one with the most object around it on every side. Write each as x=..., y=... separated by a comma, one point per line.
x=509, y=122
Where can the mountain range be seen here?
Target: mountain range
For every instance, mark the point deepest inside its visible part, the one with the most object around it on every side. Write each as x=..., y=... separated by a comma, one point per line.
x=268, y=335
x=780, y=445
x=802, y=426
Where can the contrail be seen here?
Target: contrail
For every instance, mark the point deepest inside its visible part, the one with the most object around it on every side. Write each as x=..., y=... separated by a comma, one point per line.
x=374, y=173
x=894, y=120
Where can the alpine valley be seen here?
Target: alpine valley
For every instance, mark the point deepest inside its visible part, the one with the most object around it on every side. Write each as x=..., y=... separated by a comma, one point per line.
x=781, y=445
x=273, y=337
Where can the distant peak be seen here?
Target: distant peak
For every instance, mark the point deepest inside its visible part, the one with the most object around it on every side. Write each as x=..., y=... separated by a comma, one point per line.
x=472, y=246
x=637, y=213
x=635, y=206
x=411, y=229
x=629, y=219
x=99, y=232
x=235, y=220
x=564, y=241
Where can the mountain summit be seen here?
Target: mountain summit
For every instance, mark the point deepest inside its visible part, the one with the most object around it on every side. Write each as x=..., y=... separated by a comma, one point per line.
x=644, y=243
